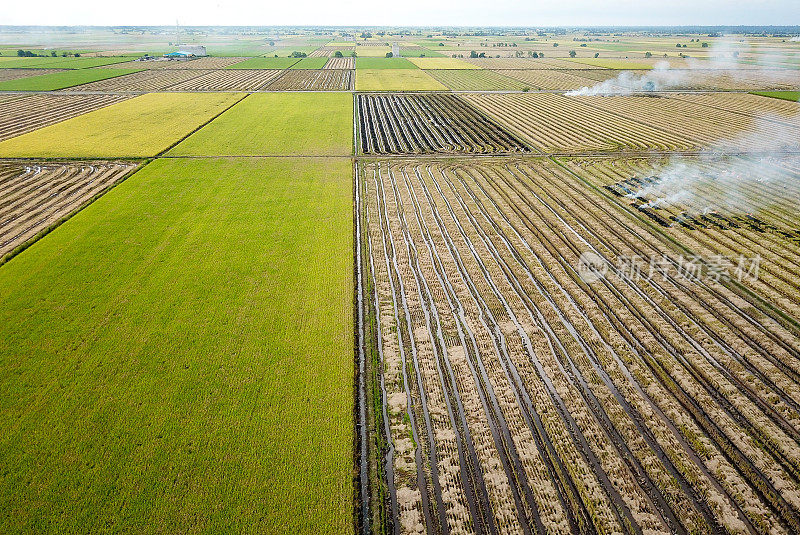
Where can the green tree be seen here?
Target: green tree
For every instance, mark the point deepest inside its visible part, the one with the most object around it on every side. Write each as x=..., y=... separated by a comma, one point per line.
x=338, y=54
x=572, y=53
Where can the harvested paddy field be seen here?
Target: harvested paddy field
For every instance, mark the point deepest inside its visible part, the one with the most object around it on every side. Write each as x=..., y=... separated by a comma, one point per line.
x=267, y=124
x=733, y=216
x=194, y=320
x=15, y=74
x=705, y=126
x=396, y=80
x=442, y=63
x=508, y=63
x=330, y=51
x=313, y=80
x=555, y=79
x=25, y=113
x=407, y=124
x=340, y=63
x=555, y=123
x=611, y=63
x=516, y=391
x=265, y=63
x=476, y=80
x=138, y=127
x=142, y=81
x=37, y=195
x=229, y=80
x=198, y=63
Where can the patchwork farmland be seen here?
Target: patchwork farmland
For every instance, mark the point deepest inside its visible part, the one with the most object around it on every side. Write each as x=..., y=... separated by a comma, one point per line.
x=527, y=281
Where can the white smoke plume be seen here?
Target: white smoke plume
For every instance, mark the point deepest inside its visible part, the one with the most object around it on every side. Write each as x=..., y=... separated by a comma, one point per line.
x=736, y=174
x=661, y=77
x=725, y=58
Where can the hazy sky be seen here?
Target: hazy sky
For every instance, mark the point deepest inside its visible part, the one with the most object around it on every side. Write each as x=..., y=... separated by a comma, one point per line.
x=405, y=12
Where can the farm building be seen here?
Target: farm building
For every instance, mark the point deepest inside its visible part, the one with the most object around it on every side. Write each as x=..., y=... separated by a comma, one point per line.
x=194, y=50
x=187, y=51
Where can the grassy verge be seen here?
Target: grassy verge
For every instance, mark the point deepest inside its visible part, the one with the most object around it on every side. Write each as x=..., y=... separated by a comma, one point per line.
x=184, y=342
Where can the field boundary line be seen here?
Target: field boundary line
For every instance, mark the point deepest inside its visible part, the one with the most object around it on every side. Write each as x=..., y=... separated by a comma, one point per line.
x=57, y=223
x=431, y=156
x=666, y=92
x=199, y=127
x=361, y=466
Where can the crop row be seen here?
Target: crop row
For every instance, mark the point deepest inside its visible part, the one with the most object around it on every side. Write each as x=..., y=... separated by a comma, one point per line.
x=722, y=210
x=25, y=113
x=558, y=79
x=313, y=80
x=402, y=124
x=520, y=397
x=150, y=80
x=15, y=74
x=35, y=196
x=229, y=80
x=555, y=123
x=340, y=63
x=225, y=80
x=476, y=80
x=704, y=125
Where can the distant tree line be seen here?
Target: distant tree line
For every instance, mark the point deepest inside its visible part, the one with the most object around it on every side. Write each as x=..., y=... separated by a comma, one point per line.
x=30, y=54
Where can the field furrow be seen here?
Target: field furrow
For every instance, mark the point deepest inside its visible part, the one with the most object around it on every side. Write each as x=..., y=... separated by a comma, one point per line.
x=657, y=404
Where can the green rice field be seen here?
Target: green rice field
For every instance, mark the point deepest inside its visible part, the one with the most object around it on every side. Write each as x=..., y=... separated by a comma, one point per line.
x=62, y=80
x=277, y=124
x=184, y=330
